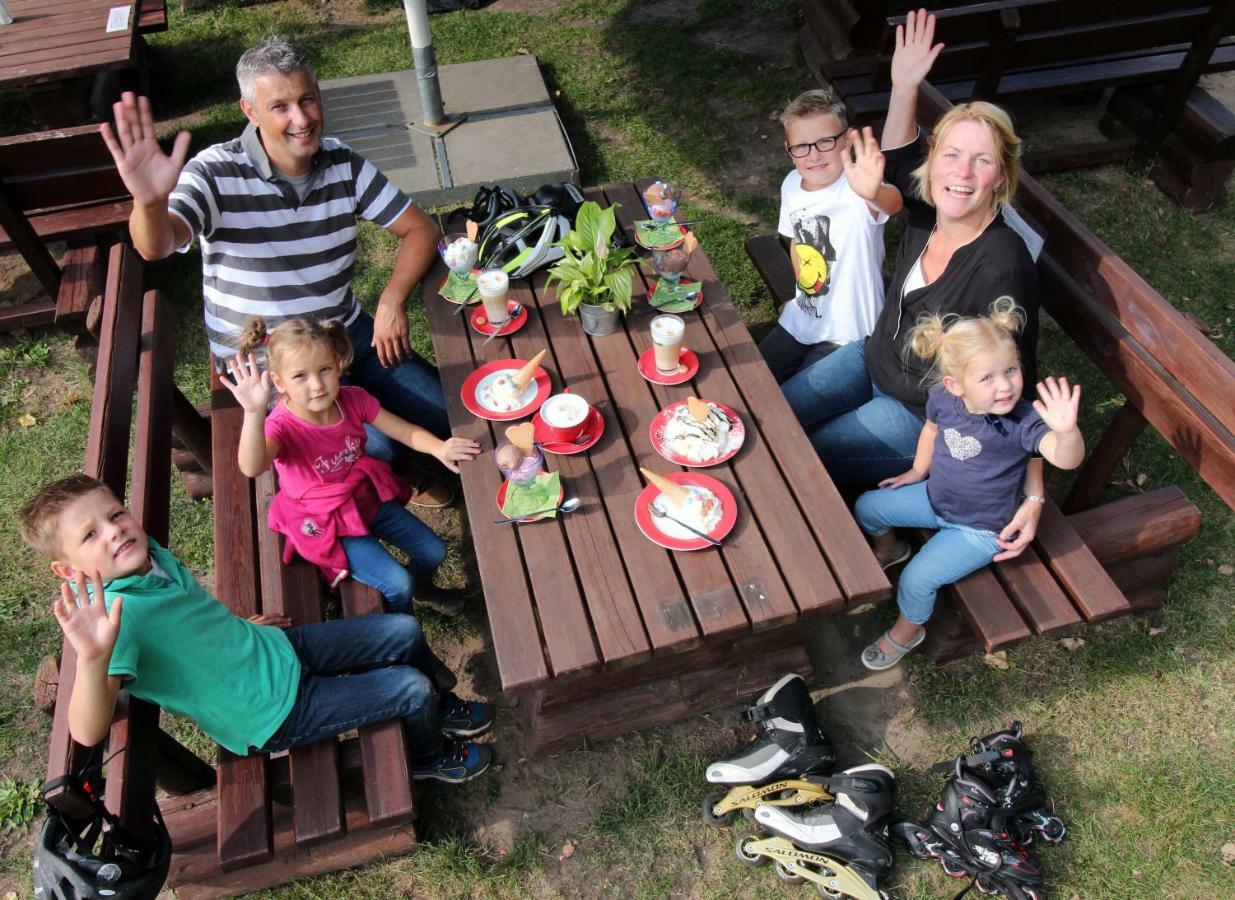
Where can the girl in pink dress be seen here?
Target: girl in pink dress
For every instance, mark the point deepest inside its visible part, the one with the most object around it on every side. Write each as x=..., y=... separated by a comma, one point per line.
x=334, y=502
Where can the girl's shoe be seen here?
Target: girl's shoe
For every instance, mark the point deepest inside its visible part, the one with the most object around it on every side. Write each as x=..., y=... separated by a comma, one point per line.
x=443, y=601
x=458, y=762
x=464, y=718
x=900, y=552
x=876, y=658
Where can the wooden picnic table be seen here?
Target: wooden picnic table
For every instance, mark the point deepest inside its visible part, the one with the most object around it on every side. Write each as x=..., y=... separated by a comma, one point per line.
x=596, y=628
x=53, y=45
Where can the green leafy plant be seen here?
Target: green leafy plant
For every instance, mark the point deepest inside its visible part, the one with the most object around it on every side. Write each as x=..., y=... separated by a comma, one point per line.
x=592, y=271
x=18, y=804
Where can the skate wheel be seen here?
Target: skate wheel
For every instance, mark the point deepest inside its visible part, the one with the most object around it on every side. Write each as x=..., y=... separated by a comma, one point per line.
x=1054, y=831
x=709, y=805
x=827, y=892
x=784, y=873
x=746, y=856
x=952, y=870
x=983, y=884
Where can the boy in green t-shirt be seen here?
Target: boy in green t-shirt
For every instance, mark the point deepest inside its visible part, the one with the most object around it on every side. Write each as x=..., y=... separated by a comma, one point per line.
x=251, y=684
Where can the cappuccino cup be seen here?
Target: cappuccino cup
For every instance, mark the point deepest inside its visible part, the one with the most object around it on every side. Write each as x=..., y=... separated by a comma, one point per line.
x=667, y=333
x=564, y=416
x=492, y=286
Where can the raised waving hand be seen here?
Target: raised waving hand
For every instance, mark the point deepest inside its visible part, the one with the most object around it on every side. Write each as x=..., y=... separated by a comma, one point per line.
x=148, y=172
x=85, y=621
x=863, y=162
x=915, y=49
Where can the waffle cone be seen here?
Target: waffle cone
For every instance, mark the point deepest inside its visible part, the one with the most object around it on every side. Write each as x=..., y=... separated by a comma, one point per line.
x=674, y=492
x=525, y=375
x=699, y=409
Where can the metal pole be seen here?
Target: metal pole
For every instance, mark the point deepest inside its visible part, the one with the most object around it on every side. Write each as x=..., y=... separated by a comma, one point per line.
x=425, y=61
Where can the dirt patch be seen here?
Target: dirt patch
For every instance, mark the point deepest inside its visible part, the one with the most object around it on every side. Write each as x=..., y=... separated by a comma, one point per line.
x=529, y=7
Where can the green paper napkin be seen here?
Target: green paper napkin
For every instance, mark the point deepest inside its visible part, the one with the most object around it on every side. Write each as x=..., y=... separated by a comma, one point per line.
x=541, y=494
x=662, y=235
x=459, y=289
x=672, y=298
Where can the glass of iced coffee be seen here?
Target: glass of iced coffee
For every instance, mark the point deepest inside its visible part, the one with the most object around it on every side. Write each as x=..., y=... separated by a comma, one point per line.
x=667, y=333
x=493, y=285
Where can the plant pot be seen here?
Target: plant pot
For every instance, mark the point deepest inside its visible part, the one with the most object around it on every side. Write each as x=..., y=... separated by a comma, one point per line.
x=597, y=320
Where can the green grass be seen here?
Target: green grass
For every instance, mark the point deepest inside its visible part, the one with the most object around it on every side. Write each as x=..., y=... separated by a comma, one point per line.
x=1133, y=731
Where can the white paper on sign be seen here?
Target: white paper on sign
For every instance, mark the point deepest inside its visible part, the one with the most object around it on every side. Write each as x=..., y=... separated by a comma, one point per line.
x=118, y=18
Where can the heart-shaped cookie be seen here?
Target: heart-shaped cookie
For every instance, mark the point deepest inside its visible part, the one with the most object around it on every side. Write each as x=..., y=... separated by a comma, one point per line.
x=522, y=436
x=961, y=446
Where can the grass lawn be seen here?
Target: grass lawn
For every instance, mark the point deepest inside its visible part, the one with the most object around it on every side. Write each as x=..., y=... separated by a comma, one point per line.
x=1133, y=731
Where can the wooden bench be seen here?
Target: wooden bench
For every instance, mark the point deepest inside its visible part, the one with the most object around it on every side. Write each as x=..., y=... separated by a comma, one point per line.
x=59, y=185
x=234, y=826
x=151, y=16
x=1091, y=562
x=1010, y=48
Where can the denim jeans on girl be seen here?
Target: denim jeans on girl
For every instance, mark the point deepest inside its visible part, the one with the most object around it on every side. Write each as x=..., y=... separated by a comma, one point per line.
x=954, y=552
x=370, y=563
x=861, y=434
x=359, y=671
x=412, y=390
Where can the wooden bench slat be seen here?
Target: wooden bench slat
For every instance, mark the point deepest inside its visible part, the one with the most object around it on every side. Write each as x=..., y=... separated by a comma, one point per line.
x=383, y=747
x=1127, y=527
x=245, y=826
x=1037, y=595
x=82, y=280
x=516, y=641
x=1074, y=565
x=295, y=590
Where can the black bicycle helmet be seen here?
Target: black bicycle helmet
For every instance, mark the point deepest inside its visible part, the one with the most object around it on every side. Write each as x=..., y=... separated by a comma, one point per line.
x=96, y=857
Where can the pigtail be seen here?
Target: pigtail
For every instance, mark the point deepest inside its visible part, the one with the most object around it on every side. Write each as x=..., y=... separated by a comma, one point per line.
x=340, y=341
x=253, y=336
x=926, y=338
x=1006, y=315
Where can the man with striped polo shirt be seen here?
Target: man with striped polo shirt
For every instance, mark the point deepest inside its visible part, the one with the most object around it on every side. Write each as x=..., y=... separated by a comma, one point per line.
x=276, y=214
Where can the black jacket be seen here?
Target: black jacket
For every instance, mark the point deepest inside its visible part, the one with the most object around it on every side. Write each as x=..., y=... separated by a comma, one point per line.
x=995, y=264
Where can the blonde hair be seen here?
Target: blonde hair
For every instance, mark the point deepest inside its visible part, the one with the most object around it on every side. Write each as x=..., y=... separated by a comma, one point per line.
x=295, y=333
x=1006, y=144
x=820, y=101
x=950, y=342
x=40, y=517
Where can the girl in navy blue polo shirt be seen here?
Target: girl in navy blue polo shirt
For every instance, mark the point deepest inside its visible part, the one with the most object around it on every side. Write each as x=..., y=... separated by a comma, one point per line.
x=969, y=469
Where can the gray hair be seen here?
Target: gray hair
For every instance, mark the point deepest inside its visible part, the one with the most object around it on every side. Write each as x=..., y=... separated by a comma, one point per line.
x=271, y=55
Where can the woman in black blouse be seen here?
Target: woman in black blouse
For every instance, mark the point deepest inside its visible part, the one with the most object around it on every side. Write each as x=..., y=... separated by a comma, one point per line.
x=863, y=405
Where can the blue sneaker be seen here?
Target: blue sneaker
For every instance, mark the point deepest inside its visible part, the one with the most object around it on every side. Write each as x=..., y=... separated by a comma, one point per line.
x=464, y=718
x=459, y=762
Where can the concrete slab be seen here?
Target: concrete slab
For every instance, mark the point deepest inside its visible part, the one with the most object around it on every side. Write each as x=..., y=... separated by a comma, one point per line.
x=511, y=134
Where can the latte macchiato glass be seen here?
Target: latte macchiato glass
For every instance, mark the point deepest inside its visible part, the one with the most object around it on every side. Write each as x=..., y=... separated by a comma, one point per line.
x=493, y=285
x=667, y=333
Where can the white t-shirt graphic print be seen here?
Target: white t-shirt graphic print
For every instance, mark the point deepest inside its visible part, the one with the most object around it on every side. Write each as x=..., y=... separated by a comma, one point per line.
x=843, y=260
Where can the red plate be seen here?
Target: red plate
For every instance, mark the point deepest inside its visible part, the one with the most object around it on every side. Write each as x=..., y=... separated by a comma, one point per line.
x=661, y=532
x=501, y=500
x=595, y=427
x=480, y=320
x=475, y=383
x=647, y=367
x=737, y=434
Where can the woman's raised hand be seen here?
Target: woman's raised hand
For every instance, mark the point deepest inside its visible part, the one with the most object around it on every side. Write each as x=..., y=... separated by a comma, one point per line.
x=148, y=172
x=915, y=51
x=863, y=162
x=252, y=386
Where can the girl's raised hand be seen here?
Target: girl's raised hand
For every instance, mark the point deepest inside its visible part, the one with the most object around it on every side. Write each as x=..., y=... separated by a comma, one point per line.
x=1058, y=405
x=252, y=386
x=85, y=621
x=864, y=163
x=457, y=450
x=915, y=51
x=913, y=476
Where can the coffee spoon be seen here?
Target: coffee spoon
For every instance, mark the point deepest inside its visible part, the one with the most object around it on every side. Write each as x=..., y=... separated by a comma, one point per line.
x=567, y=506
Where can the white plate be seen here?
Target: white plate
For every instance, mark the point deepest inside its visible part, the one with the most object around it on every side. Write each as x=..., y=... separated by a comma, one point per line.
x=528, y=396
x=671, y=529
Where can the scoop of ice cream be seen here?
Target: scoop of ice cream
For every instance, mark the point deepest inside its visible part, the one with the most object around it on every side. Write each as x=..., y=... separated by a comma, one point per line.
x=508, y=456
x=460, y=253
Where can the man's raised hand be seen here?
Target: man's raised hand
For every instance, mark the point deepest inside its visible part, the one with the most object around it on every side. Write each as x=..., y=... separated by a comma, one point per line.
x=148, y=172
x=85, y=621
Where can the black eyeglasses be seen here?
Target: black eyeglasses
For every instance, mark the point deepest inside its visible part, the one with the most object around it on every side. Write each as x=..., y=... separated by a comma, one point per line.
x=823, y=145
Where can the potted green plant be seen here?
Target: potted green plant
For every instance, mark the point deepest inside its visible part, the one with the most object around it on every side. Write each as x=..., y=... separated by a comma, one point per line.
x=594, y=279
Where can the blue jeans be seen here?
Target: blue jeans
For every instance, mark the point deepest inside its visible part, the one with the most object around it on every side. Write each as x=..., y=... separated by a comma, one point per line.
x=357, y=672
x=954, y=551
x=411, y=390
x=371, y=563
x=861, y=434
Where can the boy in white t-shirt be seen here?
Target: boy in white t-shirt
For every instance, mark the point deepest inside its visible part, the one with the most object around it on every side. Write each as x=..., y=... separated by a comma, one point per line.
x=833, y=207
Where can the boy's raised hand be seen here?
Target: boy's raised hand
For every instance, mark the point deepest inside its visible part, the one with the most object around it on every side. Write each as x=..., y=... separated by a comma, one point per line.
x=85, y=621
x=457, y=450
x=915, y=49
x=148, y=172
x=864, y=163
x=253, y=386
x=1058, y=405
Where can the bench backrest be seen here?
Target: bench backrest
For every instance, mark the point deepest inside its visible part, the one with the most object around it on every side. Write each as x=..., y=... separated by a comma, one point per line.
x=136, y=355
x=64, y=167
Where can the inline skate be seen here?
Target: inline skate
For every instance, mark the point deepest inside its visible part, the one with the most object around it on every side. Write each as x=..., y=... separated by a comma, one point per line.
x=841, y=847
x=773, y=768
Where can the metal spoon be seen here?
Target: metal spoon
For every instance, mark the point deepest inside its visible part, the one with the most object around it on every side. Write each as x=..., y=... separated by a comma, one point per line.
x=514, y=314
x=577, y=441
x=567, y=506
x=653, y=307
x=652, y=226
x=660, y=514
